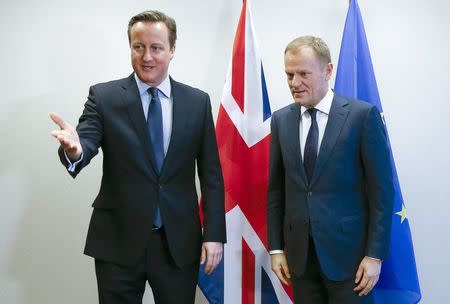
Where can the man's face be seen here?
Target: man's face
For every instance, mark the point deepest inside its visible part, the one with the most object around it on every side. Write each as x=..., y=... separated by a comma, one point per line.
x=150, y=51
x=307, y=77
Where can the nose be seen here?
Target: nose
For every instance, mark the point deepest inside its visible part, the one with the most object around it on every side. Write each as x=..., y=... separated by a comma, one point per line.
x=296, y=80
x=147, y=55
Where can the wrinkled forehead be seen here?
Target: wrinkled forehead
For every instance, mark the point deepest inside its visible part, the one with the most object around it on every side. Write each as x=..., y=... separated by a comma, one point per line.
x=150, y=29
x=303, y=57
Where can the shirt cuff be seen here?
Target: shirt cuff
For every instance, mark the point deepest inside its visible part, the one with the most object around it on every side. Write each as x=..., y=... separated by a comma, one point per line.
x=375, y=259
x=72, y=166
x=276, y=251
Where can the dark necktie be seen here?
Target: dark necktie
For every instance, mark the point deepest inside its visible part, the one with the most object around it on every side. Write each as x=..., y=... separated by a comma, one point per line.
x=155, y=129
x=312, y=142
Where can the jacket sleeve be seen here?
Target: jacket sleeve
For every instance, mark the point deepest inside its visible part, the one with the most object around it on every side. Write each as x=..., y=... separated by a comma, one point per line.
x=275, y=191
x=211, y=182
x=379, y=184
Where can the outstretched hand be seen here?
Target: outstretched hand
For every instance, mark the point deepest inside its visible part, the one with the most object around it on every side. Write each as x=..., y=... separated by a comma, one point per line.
x=67, y=137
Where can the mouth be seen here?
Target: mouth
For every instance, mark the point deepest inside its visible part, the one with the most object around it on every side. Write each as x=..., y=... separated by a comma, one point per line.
x=298, y=92
x=147, y=67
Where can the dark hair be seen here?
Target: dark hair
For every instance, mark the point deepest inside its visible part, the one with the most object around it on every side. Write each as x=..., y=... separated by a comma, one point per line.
x=155, y=16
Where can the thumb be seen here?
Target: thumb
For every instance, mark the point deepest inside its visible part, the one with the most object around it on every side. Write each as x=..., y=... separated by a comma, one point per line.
x=203, y=255
x=359, y=273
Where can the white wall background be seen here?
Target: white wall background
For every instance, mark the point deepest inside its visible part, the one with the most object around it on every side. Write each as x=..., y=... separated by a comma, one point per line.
x=52, y=51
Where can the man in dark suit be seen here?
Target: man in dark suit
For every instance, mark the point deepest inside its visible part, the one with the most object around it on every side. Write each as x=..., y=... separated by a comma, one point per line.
x=330, y=194
x=153, y=131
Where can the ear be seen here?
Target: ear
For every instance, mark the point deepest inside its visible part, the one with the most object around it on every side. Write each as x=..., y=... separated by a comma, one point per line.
x=328, y=71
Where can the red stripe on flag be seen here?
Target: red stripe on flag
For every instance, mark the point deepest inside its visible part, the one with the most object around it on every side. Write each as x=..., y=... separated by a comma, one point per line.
x=238, y=62
x=248, y=274
x=245, y=172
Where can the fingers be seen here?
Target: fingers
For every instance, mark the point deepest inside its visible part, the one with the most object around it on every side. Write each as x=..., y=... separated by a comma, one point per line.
x=284, y=272
x=203, y=255
x=370, y=285
x=66, y=140
x=285, y=269
x=213, y=259
x=67, y=137
x=280, y=275
x=212, y=255
x=280, y=268
x=359, y=274
x=58, y=120
x=366, y=285
x=367, y=276
x=363, y=285
x=210, y=263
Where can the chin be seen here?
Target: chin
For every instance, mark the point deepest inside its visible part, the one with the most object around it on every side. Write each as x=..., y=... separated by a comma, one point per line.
x=147, y=79
x=300, y=101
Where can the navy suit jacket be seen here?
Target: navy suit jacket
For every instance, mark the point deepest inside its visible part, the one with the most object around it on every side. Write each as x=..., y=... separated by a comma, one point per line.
x=347, y=206
x=121, y=222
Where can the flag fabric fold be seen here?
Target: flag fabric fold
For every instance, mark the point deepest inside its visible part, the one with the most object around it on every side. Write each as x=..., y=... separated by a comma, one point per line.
x=243, y=137
x=355, y=78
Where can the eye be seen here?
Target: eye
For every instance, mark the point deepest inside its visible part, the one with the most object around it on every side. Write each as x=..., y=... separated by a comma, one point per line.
x=305, y=74
x=289, y=76
x=157, y=48
x=138, y=47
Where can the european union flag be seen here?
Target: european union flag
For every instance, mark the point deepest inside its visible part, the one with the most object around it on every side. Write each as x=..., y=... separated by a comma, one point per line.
x=355, y=78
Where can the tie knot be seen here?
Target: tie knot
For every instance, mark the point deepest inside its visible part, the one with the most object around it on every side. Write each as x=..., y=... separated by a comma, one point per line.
x=153, y=92
x=312, y=112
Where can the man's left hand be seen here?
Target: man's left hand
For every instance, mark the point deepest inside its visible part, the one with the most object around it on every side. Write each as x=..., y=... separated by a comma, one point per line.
x=367, y=275
x=212, y=255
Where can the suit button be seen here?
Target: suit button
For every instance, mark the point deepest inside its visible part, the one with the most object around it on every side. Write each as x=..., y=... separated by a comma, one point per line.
x=309, y=193
x=160, y=186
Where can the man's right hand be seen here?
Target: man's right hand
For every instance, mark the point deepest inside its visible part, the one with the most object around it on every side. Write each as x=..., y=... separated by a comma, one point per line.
x=67, y=137
x=280, y=267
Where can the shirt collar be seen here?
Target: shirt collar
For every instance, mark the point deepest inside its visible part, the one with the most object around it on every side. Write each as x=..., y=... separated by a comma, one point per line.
x=164, y=87
x=324, y=105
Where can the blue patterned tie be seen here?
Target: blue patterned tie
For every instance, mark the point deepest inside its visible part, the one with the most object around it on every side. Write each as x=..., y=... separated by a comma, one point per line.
x=155, y=129
x=312, y=142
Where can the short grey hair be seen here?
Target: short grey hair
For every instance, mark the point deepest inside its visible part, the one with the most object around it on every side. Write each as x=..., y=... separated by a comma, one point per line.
x=317, y=44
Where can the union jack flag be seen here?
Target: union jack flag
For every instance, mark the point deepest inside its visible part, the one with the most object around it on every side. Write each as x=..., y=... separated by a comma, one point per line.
x=243, y=135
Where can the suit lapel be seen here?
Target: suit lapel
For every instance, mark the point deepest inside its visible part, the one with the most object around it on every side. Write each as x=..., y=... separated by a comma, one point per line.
x=293, y=121
x=336, y=119
x=137, y=117
x=179, y=116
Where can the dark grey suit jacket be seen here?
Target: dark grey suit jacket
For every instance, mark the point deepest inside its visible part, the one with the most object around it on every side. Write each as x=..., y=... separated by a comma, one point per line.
x=121, y=222
x=347, y=207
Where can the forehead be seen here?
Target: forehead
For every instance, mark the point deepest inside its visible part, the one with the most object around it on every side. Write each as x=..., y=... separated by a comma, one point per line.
x=303, y=56
x=147, y=30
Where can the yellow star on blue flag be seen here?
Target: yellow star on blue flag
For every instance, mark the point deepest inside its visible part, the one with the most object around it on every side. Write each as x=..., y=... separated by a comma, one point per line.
x=402, y=213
